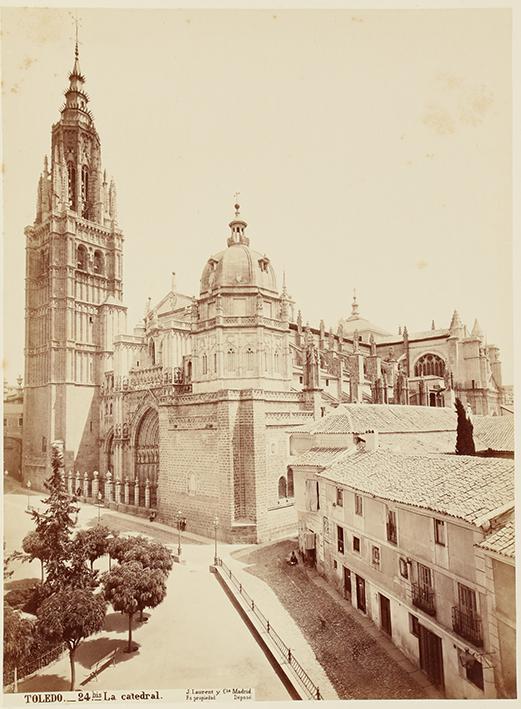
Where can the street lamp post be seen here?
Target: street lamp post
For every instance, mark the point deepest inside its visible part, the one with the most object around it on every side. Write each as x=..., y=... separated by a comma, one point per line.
x=100, y=498
x=215, y=525
x=28, y=494
x=179, y=518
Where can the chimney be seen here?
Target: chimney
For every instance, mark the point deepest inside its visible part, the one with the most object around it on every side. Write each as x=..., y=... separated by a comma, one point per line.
x=371, y=440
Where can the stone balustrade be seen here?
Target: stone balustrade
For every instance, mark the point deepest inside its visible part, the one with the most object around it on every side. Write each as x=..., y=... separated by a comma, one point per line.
x=101, y=487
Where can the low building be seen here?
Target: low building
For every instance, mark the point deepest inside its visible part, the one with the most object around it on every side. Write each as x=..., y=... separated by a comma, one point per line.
x=13, y=428
x=400, y=535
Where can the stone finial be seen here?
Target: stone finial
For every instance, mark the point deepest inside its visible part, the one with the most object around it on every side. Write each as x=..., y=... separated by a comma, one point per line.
x=433, y=325
x=172, y=282
x=399, y=329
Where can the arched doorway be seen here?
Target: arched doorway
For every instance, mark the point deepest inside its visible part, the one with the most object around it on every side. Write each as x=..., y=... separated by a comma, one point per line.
x=146, y=451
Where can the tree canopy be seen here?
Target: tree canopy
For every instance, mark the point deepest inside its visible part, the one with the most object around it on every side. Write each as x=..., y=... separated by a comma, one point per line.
x=130, y=587
x=35, y=547
x=92, y=543
x=18, y=637
x=54, y=526
x=69, y=616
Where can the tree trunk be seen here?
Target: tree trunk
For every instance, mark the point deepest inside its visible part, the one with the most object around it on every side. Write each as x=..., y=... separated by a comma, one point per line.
x=130, y=616
x=141, y=614
x=73, y=668
x=41, y=567
x=92, y=564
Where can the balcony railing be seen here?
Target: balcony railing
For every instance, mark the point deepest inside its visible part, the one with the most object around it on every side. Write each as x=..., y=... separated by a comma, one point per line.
x=467, y=624
x=423, y=597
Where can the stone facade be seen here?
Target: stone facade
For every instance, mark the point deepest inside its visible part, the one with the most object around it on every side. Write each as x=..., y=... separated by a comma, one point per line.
x=191, y=410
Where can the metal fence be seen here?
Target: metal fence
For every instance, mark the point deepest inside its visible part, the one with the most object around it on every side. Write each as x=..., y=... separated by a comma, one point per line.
x=34, y=665
x=281, y=646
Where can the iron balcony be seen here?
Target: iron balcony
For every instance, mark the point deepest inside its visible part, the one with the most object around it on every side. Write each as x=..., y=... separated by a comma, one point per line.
x=467, y=624
x=423, y=597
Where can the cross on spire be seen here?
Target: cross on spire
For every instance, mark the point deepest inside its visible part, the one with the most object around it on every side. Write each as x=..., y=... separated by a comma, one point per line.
x=237, y=205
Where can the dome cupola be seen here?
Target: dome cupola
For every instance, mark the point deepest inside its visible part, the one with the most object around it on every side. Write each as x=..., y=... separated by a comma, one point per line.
x=238, y=266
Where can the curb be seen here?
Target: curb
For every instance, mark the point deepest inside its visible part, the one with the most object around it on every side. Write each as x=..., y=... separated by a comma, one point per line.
x=281, y=667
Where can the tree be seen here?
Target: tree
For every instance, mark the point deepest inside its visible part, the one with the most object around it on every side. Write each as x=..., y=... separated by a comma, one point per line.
x=464, y=433
x=18, y=637
x=54, y=526
x=151, y=555
x=93, y=543
x=35, y=548
x=69, y=616
x=118, y=546
x=130, y=587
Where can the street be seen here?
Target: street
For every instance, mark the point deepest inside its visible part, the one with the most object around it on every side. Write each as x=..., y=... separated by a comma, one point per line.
x=194, y=639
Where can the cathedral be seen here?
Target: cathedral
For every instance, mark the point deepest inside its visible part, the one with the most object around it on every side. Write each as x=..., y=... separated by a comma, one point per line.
x=188, y=414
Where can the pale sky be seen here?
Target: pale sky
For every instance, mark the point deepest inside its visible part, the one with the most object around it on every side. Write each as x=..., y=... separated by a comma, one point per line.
x=371, y=150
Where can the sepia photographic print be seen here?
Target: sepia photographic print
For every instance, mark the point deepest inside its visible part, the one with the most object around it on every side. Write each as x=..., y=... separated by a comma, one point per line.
x=258, y=354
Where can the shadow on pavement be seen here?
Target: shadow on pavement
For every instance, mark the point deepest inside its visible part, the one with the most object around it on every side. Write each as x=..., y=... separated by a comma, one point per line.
x=44, y=683
x=90, y=652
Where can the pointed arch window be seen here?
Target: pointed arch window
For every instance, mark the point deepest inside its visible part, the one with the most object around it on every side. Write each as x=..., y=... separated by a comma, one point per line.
x=71, y=177
x=291, y=484
x=84, y=190
x=99, y=263
x=429, y=365
x=152, y=352
x=81, y=258
x=230, y=360
x=283, y=490
x=249, y=359
x=205, y=364
x=276, y=362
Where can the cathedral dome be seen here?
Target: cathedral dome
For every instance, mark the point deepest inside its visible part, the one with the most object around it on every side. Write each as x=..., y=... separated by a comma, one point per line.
x=238, y=265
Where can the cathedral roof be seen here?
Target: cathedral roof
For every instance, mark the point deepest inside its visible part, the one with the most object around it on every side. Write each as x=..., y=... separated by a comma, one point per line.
x=356, y=323
x=238, y=265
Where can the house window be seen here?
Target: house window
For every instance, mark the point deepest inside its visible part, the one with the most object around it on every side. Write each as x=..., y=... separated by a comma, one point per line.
x=358, y=505
x=472, y=668
x=312, y=496
x=375, y=557
x=404, y=568
x=291, y=487
x=356, y=544
x=99, y=266
x=283, y=490
x=325, y=526
x=414, y=625
x=439, y=532
x=391, y=527
x=340, y=539
x=339, y=497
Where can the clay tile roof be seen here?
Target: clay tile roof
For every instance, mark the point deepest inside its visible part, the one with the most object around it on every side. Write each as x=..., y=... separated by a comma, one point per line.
x=321, y=457
x=384, y=418
x=494, y=432
x=466, y=487
x=503, y=541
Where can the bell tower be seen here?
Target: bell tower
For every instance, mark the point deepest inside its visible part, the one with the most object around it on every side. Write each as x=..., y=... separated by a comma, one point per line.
x=74, y=288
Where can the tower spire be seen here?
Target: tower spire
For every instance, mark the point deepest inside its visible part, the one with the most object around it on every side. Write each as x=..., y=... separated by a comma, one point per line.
x=354, y=304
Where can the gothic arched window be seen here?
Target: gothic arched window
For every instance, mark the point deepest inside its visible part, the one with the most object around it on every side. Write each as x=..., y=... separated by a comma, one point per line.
x=205, y=364
x=283, y=490
x=429, y=365
x=99, y=263
x=291, y=484
x=249, y=358
x=81, y=258
x=230, y=360
x=152, y=352
x=71, y=177
x=84, y=190
x=276, y=362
